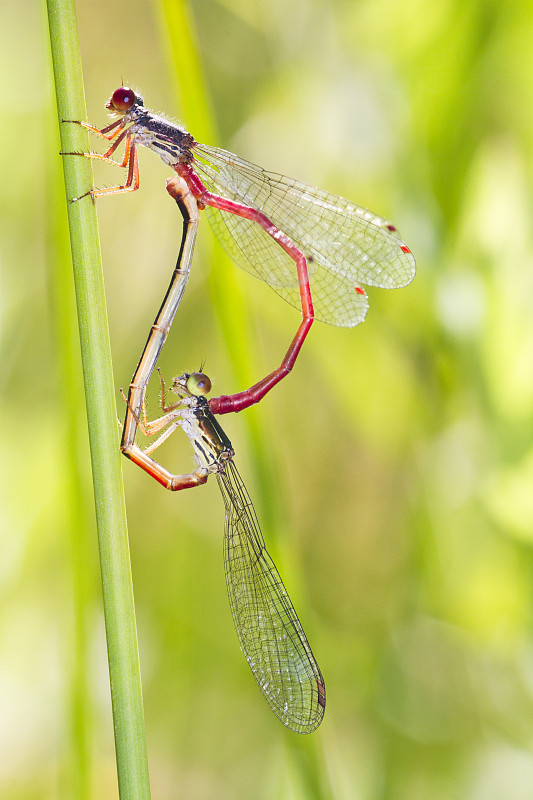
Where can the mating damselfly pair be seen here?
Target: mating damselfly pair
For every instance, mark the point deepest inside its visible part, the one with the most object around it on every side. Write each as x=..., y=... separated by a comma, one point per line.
x=316, y=251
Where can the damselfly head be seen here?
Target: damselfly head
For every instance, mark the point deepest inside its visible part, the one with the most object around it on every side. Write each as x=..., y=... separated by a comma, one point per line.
x=123, y=99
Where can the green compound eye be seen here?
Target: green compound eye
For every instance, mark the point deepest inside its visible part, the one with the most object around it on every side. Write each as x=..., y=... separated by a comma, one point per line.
x=198, y=384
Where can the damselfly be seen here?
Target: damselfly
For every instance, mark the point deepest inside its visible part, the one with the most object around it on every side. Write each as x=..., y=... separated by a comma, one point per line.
x=313, y=248
x=270, y=633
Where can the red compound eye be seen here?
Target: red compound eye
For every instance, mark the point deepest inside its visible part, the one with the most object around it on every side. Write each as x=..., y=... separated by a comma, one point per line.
x=123, y=99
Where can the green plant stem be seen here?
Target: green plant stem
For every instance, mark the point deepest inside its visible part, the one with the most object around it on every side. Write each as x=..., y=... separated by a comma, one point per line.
x=71, y=442
x=126, y=695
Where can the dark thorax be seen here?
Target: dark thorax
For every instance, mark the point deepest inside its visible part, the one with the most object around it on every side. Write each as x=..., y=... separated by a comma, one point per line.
x=172, y=142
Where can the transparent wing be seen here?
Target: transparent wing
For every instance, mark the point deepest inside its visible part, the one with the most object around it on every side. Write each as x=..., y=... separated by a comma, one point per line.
x=346, y=245
x=270, y=633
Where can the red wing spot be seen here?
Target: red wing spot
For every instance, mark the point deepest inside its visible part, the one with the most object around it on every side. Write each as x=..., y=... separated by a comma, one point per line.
x=359, y=290
x=404, y=248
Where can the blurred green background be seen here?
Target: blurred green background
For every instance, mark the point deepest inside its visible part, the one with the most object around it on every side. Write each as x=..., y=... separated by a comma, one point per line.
x=392, y=472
